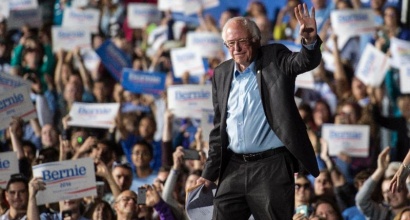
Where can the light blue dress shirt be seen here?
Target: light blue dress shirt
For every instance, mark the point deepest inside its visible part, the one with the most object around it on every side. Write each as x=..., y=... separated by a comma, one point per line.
x=247, y=127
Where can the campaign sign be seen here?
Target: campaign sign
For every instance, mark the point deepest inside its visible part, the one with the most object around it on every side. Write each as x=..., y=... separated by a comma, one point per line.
x=22, y=4
x=4, y=9
x=66, y=180
x=93, y=115
x=89, y=18
x=8, y=82
x=187, y=60
x=207, y=123
x=400, y=51
x=372, y=66
x=350, y=139
x=113, y=59
x=79, y=3
x=143, y=82
x=351, y=22
x=305, y=80
x=68, y=38
x=193, y=6
x=16, y=102
x=207, y=43
x=90, y=58
x=141, y=14
x=189, y=100
x=30, y=17
x=171, y=5
x=8, y=165
x=405, y=79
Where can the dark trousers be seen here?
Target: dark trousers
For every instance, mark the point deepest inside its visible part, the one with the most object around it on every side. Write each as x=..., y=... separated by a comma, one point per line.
x=263, y=188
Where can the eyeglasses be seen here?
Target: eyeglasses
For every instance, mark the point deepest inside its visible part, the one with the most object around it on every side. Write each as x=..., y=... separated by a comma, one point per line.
x=126, y=199
x=299, y=186
x=241, y=42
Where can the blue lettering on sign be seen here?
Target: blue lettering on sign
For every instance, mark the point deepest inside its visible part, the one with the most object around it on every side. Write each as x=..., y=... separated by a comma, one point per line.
x=81, y=15
x=5, y=164
x=352, y=18
x=144, y=12
x=11, y=100
x=76, y=34
x=184, y=96
x=345, y=135
x=183, y=57
x=94, y=111
x=144, y=79
x=206, y=41
x=64, y=173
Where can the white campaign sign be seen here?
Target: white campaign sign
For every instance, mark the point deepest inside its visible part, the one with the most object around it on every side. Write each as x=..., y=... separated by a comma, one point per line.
x=141, y=14
x=79, y=3
x=187, y=60
x=350, y=139
x=16, y=102
x=207, y=43
x=193, y=6
x=66, y=180
x=400, y=51
x=70, y=38
x=305, y=81
x=8, y=82
x=189, y=100
x=405, y=79
x=349, y=23
x=8, y=165
x=4, y=9
x=372, y=66
x=172, y=5
x=89, y=18
x=93, y=114
x=90, y=58
x=22, y=4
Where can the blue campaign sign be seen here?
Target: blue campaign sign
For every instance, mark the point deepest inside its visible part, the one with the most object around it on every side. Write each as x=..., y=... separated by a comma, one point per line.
x=113, y=59
x=143, y=82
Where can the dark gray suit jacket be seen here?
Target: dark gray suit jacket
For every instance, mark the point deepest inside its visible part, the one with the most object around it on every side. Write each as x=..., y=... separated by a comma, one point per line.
x=276, y=69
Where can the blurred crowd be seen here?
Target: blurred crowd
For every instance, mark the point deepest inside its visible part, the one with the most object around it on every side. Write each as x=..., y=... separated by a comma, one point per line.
x=146, y=147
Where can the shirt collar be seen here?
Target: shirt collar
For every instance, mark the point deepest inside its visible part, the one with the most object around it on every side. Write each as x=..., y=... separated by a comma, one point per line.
x=249, y=69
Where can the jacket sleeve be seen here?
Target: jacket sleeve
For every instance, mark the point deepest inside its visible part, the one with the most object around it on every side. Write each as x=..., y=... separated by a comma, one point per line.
x=213, y=162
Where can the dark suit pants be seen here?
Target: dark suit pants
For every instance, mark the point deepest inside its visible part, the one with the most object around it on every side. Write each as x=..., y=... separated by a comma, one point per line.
x=263, y=188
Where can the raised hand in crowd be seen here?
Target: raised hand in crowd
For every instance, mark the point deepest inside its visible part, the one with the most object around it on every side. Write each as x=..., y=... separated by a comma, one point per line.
x=398, y=182
x=85, y=148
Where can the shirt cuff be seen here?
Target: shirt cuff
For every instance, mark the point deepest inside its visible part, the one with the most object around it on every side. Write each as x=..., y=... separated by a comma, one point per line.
x=310, y=46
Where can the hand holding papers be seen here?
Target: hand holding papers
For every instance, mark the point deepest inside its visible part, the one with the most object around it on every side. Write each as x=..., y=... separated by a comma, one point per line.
x=199, y=203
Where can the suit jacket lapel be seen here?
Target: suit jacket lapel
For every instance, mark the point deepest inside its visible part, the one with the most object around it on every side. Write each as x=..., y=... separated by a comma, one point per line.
x=227, y=80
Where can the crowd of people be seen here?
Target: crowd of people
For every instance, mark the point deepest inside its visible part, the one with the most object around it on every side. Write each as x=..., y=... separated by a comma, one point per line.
x=147, y=145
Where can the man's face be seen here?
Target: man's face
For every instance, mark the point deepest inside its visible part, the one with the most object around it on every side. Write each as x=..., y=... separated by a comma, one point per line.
x=146, y=128
x=17, y=196
x=323, y=185
x=141, y=156
x=395, y=200
x=126, y=204
x=49, y=135
x=240, y=44
x=123, y=177
x=72, y=205
x=303, y=192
